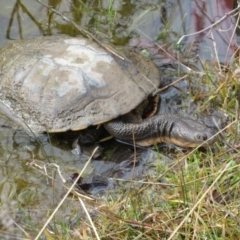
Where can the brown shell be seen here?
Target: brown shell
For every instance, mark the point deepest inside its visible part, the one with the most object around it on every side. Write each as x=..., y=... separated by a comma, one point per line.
x=60, y=83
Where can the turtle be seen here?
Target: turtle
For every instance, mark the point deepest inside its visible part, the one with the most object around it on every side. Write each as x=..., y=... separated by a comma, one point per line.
x=61, y=83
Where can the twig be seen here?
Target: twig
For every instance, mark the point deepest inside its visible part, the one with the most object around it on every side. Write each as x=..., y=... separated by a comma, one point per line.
x=233, y=34
x=44, y=166
x=215, y=50
x=212, y=25
x=184, y=67
x=134, y=158
x=171, y=84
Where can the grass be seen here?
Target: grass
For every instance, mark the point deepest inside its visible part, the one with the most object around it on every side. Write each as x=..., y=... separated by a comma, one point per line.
x=193, y=195
x=203, y=204
x=103, y=20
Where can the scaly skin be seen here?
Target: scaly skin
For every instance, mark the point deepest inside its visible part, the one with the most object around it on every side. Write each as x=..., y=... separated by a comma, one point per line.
x=169, y=128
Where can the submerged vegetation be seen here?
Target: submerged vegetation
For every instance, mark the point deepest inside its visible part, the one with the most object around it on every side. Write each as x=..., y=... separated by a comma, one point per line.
x=184, y=194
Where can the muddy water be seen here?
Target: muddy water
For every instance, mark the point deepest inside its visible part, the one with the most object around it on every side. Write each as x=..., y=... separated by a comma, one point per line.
x=23, y=184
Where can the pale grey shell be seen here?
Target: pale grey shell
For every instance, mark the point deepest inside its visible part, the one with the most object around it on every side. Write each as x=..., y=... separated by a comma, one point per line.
x=62, y=83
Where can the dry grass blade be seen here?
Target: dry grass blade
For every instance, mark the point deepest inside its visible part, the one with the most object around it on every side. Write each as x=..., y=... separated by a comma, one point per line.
x=68, y=192
x=89, y=218
x=199, y=201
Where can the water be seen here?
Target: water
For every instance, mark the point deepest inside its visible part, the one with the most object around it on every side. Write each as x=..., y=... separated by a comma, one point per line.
x=23, y=184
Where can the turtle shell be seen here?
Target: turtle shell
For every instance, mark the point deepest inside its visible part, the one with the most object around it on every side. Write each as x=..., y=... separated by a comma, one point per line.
x=60, y=83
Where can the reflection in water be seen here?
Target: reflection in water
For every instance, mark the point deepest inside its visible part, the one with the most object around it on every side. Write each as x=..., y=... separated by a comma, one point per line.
x=216, y=43
x=203, y=15
x=24, y=186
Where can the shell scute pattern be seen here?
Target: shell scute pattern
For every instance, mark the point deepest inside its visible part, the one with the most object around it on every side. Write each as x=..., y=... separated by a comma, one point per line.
x=59, y=83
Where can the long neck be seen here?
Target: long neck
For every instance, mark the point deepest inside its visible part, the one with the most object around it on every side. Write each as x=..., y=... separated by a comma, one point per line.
x=151, y=130
x=169, y=128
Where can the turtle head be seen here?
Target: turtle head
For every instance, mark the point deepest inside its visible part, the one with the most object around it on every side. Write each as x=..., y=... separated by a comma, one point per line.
x=186, y=132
